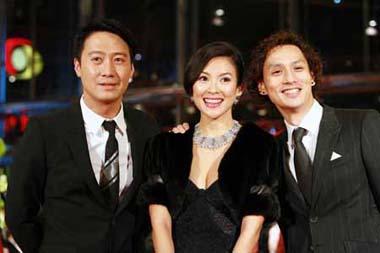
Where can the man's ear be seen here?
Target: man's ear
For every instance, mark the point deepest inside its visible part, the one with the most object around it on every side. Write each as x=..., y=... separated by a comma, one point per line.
x=77, y=67
x=262, y=89
x=312, y=78
x=132, y=73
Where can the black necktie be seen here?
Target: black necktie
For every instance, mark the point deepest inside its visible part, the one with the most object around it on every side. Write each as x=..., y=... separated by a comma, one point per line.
x=109, y=174
x=302, y=164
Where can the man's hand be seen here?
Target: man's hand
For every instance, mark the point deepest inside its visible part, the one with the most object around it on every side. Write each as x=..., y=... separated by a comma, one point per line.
x=181, y=128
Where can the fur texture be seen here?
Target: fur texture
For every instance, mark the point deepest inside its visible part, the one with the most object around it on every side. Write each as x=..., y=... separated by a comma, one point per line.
x=248, y=164
x=153, y=192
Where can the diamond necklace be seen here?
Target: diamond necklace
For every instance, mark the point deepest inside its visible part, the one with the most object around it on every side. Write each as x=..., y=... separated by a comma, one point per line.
x=218, y=141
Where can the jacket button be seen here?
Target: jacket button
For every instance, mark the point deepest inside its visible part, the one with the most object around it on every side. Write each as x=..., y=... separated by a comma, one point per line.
x=314, y=219
x=311, y=248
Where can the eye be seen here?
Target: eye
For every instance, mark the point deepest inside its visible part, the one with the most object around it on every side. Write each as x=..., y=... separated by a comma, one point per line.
x=96, y=59
x=119, y=60
x=276, y=72
x=298, y=68
x=226, y=79
x=202, y=78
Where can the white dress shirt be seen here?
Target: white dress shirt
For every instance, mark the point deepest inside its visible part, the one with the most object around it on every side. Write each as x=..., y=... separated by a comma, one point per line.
x=311, y=123
x=97, y=137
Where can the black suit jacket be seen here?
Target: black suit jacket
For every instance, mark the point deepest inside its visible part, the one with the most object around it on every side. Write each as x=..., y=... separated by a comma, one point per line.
x=245, y=173
x=344, y=214
x=54, y=203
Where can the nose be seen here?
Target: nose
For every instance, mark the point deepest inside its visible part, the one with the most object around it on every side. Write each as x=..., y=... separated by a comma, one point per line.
x=108, y=69
x=289, y=76
x=213, y=87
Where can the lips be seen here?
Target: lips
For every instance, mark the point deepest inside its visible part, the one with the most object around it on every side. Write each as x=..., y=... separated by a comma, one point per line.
x=108, y=86
x=213, y=102
x=291, y=91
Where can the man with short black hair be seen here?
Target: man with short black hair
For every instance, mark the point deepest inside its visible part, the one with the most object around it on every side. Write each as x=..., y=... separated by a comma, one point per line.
x=76, y=173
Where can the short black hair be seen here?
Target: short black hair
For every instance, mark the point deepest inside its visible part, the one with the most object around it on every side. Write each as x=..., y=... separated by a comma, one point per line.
x=103, y=25
x=203, y=55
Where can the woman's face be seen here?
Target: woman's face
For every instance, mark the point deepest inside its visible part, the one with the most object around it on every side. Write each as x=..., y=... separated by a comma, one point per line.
x=216, y=88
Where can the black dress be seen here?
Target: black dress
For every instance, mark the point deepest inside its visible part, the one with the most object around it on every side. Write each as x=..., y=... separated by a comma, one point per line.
x=204, y=223
x=210, y=220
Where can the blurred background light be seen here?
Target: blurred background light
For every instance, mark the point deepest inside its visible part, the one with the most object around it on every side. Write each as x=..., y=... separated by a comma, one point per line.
x=138, y=57
x=219, y=12
x=12, y=79
x=371, y=31
x=218, y=21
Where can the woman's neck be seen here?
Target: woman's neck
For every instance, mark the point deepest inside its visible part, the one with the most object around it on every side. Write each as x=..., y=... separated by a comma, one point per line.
x=215, y=127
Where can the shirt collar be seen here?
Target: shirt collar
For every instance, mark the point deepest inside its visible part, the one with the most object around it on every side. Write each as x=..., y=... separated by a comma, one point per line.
x=310, y=121
x=94, y=121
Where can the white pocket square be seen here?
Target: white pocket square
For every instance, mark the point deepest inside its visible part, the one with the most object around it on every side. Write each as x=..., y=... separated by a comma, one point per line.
x=335, y=156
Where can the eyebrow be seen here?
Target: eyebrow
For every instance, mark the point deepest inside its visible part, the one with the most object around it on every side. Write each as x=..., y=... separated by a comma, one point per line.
x=280, y=64
x=222, y=74
x=115, y=53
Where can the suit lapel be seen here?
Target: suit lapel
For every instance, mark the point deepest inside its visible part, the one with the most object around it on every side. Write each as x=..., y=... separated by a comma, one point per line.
x=137, y=147
x=135, y=144
x=76, y=138
x=327, y=138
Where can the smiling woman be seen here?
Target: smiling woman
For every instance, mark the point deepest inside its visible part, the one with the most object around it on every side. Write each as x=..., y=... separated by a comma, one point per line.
x=210, y=189
x=216, y=90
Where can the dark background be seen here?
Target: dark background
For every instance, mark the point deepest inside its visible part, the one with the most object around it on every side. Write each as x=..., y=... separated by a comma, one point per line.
x=337, y=30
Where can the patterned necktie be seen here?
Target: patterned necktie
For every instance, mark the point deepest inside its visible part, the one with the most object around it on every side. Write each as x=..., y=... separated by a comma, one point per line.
x=109, y=174
x=302, y=164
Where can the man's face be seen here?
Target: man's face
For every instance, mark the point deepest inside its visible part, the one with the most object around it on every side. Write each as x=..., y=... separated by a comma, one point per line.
x=288, y=80
x=105, y=69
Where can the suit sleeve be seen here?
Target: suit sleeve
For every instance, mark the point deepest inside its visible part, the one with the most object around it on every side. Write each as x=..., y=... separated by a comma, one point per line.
x=152, y=128
x=262, y=196
x=370, y=147
x=153, y=191
x=25, y=190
